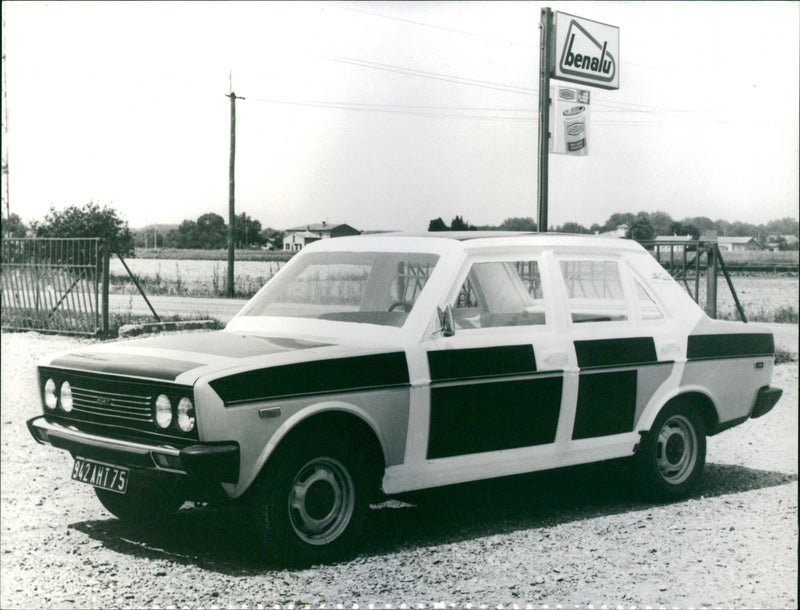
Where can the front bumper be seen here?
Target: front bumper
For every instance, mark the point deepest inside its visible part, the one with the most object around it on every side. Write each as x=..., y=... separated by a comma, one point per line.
x=201, y=463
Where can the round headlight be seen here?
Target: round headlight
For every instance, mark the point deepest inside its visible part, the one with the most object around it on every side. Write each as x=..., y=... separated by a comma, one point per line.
x=66, y=396
x=186, y=415
x=50, y=398
x=163, y=411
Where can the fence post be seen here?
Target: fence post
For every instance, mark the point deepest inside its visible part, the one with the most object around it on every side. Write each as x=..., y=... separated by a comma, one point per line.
x=106, y=256
x=710, y=239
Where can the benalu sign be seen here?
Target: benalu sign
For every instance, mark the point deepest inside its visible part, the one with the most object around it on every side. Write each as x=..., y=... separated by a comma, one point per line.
x=586, y=51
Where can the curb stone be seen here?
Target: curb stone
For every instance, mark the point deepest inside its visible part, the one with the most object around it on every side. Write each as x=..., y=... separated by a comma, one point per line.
x=133, y=330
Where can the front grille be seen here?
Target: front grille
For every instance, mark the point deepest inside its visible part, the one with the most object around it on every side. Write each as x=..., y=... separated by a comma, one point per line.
x=124, y=407
x=116, y=406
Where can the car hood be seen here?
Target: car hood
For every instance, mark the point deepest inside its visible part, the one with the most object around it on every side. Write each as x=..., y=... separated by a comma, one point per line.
x=184, y=358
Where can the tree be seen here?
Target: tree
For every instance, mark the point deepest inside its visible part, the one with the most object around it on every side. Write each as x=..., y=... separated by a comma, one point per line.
x=437, y=224
x=270, y=234
x=518, y=224
x=88, y=221
x=459, y=224
x=618, y=219
x=572, y=227
x=661, y=222
x=246, y=231
x=641, y=230
x=14, y=227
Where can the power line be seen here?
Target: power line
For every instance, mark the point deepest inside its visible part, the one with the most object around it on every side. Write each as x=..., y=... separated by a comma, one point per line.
x=373, y=65
x=435, y=111
x=430, y=25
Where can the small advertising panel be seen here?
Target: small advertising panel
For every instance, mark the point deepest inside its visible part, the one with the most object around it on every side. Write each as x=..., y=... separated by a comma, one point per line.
x=586, y=52
x=569, y=120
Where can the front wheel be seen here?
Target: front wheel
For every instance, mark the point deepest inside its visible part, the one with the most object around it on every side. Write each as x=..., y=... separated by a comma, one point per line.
x=673, y=454
x=311, y=504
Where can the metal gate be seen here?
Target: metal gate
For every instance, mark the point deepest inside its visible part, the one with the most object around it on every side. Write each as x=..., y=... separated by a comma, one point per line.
x=55, y=285
x=688, y=261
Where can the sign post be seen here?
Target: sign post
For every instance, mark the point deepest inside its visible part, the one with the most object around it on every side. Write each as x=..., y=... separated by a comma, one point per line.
x=579, y=51
x=545, y=63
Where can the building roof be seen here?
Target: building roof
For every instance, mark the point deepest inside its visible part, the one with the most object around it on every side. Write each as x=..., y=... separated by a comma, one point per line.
x=735, y=240
x=319, y=226
x=674, y=238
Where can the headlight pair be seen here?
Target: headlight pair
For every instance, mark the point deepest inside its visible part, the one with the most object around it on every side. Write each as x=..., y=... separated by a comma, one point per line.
x=52, y=397
x=184, y=413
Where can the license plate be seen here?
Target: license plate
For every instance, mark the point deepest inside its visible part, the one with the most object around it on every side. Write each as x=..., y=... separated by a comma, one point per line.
x=99, y=474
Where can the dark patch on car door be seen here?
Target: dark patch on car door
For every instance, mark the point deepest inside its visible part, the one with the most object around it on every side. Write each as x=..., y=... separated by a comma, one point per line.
x=490, y=399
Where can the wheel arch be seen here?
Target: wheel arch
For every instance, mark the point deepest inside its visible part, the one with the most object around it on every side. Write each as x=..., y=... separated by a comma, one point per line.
x=334, y=420
x=696, y=398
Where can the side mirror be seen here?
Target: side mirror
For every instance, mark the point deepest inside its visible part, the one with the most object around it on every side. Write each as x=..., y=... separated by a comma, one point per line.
x=447, y=324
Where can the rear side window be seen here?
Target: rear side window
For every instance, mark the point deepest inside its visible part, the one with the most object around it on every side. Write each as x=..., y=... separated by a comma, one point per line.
x=648, y=309
x=594, y=291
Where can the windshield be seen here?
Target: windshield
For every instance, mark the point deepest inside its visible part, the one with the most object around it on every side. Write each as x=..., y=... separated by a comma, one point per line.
x=364, y=287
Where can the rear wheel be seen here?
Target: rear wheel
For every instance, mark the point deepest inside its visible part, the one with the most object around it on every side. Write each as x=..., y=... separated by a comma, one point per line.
x=144, y=501
x=673, y=454
x=311, y=504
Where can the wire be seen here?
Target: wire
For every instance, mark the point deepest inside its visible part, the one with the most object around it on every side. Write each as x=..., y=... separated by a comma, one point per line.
x=438, y=111
x=435, y=27
x=373, y=65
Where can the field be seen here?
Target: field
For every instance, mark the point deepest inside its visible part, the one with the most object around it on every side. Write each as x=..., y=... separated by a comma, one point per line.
x=212, y=255
x=191, y=277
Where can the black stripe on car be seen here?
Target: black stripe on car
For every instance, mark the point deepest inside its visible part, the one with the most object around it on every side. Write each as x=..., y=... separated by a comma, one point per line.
x=606, y=404
x=353, y=374
x=708, y=347
x=454, y=364
x=493, y=415
x=615, y=352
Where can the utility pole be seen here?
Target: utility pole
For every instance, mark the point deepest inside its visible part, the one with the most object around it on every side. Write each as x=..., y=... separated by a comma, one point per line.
x=231, y=199
x=545, y=54
x=6, y=192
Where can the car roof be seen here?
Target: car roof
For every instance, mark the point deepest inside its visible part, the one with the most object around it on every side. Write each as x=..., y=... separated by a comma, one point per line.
x=441, y=241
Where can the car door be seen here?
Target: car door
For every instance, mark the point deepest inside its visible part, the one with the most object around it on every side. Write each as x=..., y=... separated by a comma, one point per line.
x=496, y=390
x=622, y=341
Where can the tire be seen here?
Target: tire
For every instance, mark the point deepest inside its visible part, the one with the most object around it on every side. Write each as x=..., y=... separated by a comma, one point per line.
x=311, y=503
x=673, y=454
x=144, y=501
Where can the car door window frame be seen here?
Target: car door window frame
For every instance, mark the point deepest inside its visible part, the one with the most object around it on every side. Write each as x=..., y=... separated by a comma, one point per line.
x=626, y=284
x=508, y=257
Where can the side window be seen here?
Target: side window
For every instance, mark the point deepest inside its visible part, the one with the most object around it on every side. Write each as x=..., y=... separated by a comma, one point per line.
x=648, y=309
x=594, y=291
x=494, y=294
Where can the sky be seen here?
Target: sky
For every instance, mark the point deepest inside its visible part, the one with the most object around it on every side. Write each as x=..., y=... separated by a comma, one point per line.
x=387, y=115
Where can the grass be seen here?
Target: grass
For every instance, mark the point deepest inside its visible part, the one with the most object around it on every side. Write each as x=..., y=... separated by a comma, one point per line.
x=213, y=255
x=782, y=315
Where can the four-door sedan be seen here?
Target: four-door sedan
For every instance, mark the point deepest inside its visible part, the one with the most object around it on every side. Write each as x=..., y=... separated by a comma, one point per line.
x=386, y=364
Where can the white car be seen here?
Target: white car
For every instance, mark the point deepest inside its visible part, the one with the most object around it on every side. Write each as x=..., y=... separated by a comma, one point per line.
x=386, y=364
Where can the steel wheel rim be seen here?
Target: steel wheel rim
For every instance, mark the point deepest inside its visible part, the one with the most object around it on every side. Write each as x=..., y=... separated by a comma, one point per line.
x=676, y=449
x=321, y=501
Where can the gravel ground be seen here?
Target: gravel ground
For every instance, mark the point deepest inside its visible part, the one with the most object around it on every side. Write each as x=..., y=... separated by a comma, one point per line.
x=576, y=538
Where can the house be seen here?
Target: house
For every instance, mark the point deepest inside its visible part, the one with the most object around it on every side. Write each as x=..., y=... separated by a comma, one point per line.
x=676, y=242
x=621, y=231
x=298, y=237
x=730, y=244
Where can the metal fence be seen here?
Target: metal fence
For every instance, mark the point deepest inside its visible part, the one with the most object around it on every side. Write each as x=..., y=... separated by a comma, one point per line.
x=692, y=261
x=55, y=285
